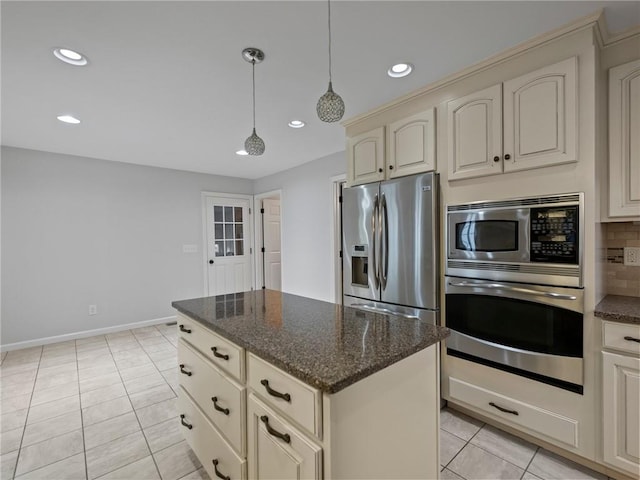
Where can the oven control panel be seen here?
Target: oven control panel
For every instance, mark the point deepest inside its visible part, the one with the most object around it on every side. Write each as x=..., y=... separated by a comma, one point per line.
x=554, y=235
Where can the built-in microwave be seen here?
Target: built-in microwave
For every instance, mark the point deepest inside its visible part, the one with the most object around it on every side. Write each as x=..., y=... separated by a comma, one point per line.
x=532, y=240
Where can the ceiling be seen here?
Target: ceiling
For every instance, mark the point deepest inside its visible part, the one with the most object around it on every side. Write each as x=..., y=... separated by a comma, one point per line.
x=166, y=84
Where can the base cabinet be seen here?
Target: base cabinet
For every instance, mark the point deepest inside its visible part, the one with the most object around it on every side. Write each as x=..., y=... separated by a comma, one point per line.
x=277, y=450
x=621, y=412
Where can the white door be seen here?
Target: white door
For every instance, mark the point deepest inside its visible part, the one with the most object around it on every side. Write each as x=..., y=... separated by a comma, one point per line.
x=228, y=245
x=366, y=157
x=412, y=146
x=271, y=237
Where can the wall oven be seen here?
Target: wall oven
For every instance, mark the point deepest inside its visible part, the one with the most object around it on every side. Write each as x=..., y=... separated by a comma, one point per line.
x=513, y=293
x=531, y=330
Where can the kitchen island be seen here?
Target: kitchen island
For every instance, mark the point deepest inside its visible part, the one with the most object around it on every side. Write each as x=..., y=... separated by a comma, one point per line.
x=276, y=385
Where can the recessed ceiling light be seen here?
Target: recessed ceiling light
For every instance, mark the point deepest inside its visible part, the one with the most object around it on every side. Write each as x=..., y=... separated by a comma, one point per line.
x=296, y=124
x=400, y=70
x=71, y=57
x=68, y=119
x=242, y=152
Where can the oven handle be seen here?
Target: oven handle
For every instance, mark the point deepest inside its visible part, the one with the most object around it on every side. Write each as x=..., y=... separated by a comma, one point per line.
x=527, y=291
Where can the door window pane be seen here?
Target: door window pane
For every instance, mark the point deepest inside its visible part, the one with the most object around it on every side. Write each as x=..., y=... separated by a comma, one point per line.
x=239, y=231
x=228, y=214
x=229, y=251
x=219, y=249
x=228, y=231
x=217, y=214
x=239, y=247
x=238, y=214
x=219, y=232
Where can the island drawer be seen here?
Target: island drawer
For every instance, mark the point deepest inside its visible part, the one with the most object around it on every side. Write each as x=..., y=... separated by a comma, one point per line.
x=207, y=443
x=621, y=336
x=219, y=397
x=298, y=400
x=216, y=349
x=516, y=412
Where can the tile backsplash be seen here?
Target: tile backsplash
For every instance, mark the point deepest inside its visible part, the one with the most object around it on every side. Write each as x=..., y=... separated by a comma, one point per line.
x=622, y=279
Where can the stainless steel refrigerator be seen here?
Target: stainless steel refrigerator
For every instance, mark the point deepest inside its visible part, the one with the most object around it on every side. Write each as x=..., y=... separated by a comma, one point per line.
x=390, y=246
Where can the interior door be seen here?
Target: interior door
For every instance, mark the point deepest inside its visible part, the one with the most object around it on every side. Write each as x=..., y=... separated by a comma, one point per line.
x=228, y=245
x=271, y=241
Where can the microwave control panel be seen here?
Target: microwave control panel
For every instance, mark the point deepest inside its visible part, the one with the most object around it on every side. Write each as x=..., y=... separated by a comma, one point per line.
x=554, y=235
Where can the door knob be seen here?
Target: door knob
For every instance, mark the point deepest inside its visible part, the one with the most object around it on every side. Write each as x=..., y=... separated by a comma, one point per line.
x=210, y=262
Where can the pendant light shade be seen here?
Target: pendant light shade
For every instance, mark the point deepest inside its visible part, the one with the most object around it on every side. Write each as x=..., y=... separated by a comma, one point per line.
x=253, y=145
x=330, y=107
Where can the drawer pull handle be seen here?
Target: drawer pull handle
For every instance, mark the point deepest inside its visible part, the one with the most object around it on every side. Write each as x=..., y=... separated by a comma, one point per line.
x=631, y=339
x=219, y=355
x=283, y=436
x=185, y=330
x=502, y=409
x=182, y=421
x=186, y=372
x=272, y=392
x=218, y=473
x=220, y=409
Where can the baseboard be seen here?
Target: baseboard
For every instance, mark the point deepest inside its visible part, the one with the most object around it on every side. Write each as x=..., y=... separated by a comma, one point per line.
x=86, y=333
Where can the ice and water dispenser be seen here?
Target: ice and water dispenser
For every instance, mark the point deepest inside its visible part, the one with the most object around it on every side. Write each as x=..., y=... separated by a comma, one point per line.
x=360, y=265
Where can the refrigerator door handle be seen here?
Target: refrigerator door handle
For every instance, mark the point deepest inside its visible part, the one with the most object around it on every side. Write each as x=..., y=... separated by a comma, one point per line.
x=370, y=308
x=374, y=224
x=384, y=242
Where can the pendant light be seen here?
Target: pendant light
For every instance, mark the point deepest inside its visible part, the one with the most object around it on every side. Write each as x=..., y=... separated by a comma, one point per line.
x=330, y=107
x=253, y=145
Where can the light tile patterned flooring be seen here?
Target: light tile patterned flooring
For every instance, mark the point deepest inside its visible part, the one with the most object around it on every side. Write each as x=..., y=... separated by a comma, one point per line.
x=104, y=407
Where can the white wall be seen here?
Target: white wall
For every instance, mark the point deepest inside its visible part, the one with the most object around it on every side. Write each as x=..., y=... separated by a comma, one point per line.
x=79, y=231
x=307, y=218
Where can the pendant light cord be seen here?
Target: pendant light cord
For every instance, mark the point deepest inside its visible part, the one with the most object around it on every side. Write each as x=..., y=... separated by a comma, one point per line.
x=253, y=72
x=329, y=23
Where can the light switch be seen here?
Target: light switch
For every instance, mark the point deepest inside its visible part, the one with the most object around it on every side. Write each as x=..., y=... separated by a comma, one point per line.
x=189, y=248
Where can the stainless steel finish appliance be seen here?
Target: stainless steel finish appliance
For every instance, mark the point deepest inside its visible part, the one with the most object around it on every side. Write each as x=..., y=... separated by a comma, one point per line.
x=390, y=246
x=532, y=330
x=535, y=240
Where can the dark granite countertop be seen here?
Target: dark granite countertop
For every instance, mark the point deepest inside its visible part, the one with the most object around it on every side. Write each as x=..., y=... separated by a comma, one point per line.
x=619, y=308
x=325, y=345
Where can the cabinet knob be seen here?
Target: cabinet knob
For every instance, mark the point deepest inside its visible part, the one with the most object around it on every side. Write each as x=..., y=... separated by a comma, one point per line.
x=390, y=167
x=496, y=158
x=380, y=170
x=507, y=157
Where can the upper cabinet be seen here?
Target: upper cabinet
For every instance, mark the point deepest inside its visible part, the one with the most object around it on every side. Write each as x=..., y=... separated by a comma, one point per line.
x=412, y=149
x=527, y=122
x=624, y=144
x=366, y=157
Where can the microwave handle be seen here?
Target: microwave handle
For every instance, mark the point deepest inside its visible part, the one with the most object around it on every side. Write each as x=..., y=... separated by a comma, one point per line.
x=527, y=291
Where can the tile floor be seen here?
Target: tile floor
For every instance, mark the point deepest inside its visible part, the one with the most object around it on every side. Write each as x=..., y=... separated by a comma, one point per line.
x=104, y=408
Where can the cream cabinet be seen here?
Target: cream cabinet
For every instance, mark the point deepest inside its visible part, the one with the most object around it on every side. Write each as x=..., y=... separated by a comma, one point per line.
x=403, y=147
x=245, y=418
x=624, y=140
x=524, y=123
x=277, y=449
x=366, y=157
x=621, y=397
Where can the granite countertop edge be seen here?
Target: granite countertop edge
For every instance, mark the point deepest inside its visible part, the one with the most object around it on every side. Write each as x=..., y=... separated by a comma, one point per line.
x=619, y=308
x=440, y=333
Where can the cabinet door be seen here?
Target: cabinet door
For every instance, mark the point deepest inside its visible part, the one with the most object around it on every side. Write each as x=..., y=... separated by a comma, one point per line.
x=540, y=114
x=621, y=411
x=366, y=157
x=624, y=141
x=475, y=134
x=412, y=147
x=275, y=458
